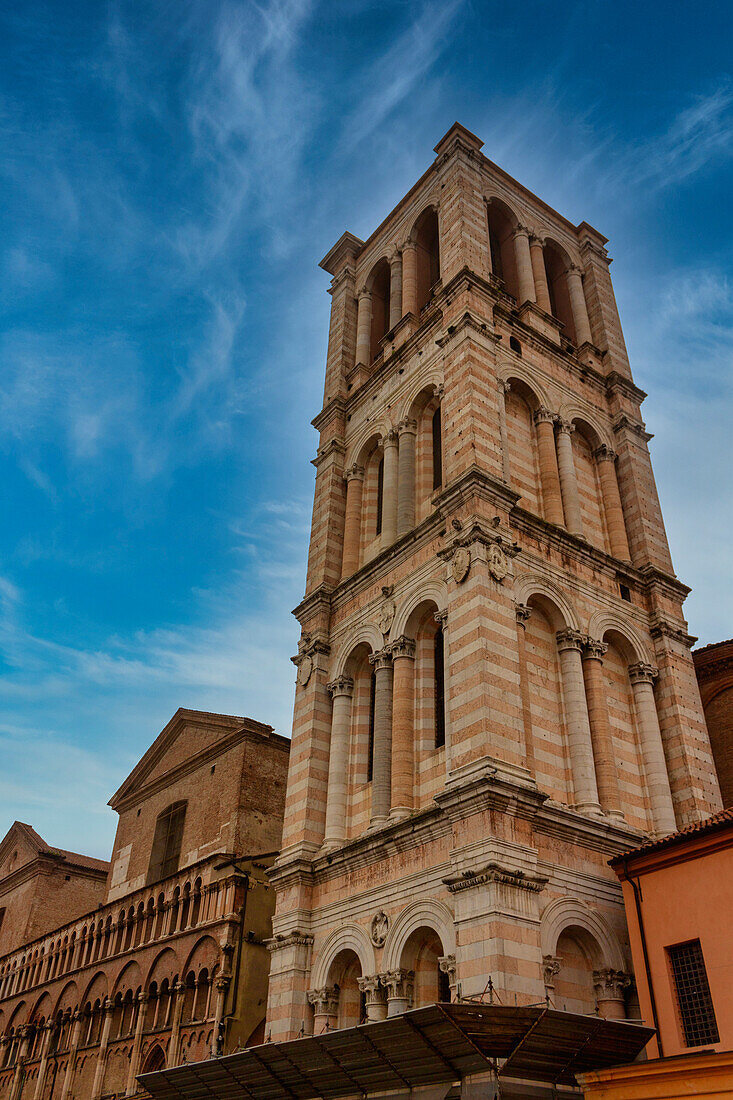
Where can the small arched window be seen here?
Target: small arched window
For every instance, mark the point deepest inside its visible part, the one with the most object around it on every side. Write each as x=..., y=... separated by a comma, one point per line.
x=437, y=450
x=166, y=853
x=439, y=661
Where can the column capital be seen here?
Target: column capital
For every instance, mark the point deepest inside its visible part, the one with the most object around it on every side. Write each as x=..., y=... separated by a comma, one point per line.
x=523, y=612
x=407, y=426
x=398, y=983
x=390, y=438
x=569, y=639
x=407, y=244
x=604, y=453
x=381, y=659
x=364, y=292
x=573, y=269
x=642, y=673
x=354, y=473
x=370, y=984
x=325, y=1001
x=403, y=647
x=610, y=984
x=441, y=617
x=447, y=965
x=504, y=385
x=521, y=231
x=564, y=427
x=594, y=649
x=108, y=1006
x=222, y=984
x=551, y=965
x=142, y=997
x=342, y=685
x=535, y=240
x=545, y=416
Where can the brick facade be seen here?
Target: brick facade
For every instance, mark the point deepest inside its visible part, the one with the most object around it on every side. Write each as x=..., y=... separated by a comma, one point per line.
x=485, y=505
x=142, y=973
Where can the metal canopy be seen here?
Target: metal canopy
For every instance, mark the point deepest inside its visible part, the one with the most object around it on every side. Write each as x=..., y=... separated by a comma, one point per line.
x=426, y=1046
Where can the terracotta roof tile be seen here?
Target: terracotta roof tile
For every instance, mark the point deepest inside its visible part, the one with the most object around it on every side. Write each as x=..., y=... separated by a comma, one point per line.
x=698, y=828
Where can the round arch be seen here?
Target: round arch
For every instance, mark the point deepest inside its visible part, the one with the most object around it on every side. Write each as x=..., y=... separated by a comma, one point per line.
x=205, y=952
x=525, y=587
x=97, y=987
x=550, y=242
x=603, y=622
x=378, y=261
x=42, y=1008
x=366, y=634
x=166, y=962
x=365, y=442
x=68, y=998
x=596, y=434
x=434, y=591
x=511, y=371
x=130, y=977
x=431, y=205
x=564, y=914
x=350, y=937
x=498, y=203
x=428, y=913
x=426, y=388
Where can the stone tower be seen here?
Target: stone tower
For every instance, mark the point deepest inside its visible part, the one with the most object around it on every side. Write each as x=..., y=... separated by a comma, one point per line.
x=495, y=692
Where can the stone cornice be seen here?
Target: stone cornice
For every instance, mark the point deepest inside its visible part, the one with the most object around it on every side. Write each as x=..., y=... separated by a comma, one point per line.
x=654, y=577
x=290, y=939
x=622, y=421
x=333, y=446
x=564, y=541
x=317, y=601
x=617, y=381
x=475, y=481
x=335, y=407
x=494, y=872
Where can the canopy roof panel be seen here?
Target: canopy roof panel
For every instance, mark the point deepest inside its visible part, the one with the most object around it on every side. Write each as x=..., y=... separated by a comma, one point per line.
x=426, y=1046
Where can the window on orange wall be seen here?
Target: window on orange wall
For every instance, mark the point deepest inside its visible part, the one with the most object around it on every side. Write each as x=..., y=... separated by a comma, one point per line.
x=694, y=1002
x=166, y=852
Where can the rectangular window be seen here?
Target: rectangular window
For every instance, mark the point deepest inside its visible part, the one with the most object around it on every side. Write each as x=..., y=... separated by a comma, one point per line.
x=694, y=1002
x=166, y=852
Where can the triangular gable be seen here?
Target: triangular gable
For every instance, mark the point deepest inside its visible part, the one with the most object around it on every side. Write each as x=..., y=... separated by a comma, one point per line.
x=23, y=840
x=189, y=733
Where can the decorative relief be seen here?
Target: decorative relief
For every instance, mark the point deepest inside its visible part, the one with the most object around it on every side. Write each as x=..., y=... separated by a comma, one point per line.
x=498, y=564
x=461, y=564
x=610, y=984
x=307, y=656
x=379, y=928
x=386, y=616
x=305, y=669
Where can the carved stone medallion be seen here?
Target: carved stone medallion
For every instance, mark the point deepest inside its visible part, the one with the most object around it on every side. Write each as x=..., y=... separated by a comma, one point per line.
x=498, y=564
x=305, y=668
x=461, y=564
x=386, y=616
x=379, y=928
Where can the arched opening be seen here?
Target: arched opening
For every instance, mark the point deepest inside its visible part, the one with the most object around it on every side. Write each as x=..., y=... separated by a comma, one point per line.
x=625, y=733
x=427, y=414
x=426, y=237
x=372, y=502
x=155, y=1060
x=421, y=955
x=380, y=286
x=578, y=955
x=361, y=740
x=343, y=976
x=556, y=267
x=585, y=440
x=520, y=405
x=544, y=683
x=502, y=224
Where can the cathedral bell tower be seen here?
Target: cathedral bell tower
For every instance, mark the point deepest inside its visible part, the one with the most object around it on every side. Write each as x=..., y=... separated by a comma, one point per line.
x=495, y=692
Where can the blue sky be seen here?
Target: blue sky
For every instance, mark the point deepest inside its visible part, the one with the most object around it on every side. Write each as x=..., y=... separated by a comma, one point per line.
x=171, y=174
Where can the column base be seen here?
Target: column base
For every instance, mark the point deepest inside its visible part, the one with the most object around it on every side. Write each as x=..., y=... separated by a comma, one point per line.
x=616, y=815
x=399, y=813
x=593, y=809
x=330, y=846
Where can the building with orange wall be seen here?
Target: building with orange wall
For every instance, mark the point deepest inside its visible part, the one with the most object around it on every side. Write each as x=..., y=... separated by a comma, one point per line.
x=678, y=894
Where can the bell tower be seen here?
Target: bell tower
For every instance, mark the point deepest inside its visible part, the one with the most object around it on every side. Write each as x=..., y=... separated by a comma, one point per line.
x=495, y=692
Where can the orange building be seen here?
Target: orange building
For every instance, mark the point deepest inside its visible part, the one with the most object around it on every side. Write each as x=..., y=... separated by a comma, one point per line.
x=678, y=894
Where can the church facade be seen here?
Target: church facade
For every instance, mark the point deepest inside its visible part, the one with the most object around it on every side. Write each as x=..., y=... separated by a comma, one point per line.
x=111, y=969
x=495, y=693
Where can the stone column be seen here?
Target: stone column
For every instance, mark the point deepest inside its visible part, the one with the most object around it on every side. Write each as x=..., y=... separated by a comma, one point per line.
x=341, y=691
x=16, y=1085
x=102, y=1054
x=352, y=520
x=325, y=1009
x=524, y=265
x=395, y=289
x=606, y=462
x=373, y=990
x=364, y=328
x=403, y=726
x=539, y=273
x=142, y=1001
x=568, y=479
x=399, y=986
x=577, y=724
x=409, y=277
x=43, y=1065
x=642, y=678
x=179, y=997
x=549, y=474
x=382, y=768
x=523, y=613
x=600, y=728
x=390, y=443
x=222, y=984
x=609, y=986
x=504, y=388
x=73, y=1050
x=578, y=305
x=447, y=965
x=406, y=477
